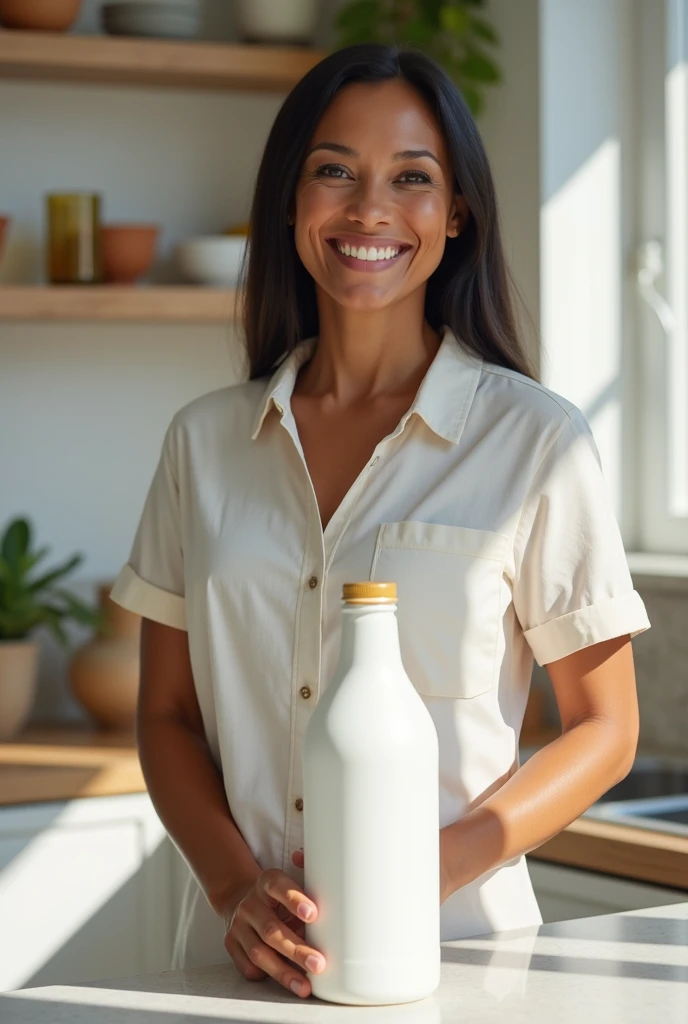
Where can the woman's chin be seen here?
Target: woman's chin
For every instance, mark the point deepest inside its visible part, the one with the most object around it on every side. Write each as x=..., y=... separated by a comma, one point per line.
x=364, y=298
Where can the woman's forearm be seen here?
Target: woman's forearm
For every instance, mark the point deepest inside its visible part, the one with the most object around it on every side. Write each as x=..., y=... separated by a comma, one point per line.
x=189, y=797
x=545, y=795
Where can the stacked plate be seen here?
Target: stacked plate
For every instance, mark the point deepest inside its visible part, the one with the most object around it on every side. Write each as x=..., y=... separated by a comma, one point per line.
x=168, y=19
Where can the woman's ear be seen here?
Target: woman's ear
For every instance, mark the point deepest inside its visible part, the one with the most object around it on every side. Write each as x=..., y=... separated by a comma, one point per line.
x=458, y=217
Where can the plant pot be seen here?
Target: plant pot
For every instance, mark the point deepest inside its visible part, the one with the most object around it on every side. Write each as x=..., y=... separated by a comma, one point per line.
x=39, y=15
x=127, y=251
x=277, y=21
x=104, y=673
x=18, y=676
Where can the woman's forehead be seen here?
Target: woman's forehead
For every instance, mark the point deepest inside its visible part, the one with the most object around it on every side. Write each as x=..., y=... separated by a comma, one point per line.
x=389, y=115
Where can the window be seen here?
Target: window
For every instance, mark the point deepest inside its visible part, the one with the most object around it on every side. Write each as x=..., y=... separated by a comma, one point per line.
x=662, y=275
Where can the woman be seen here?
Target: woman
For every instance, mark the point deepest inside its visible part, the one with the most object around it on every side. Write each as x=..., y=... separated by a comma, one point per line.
x=391, y=429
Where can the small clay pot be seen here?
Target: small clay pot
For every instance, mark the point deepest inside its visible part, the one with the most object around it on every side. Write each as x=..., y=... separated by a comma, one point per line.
x=104, y=673
x=4, y=224
x=39, y=15
x=128, y=251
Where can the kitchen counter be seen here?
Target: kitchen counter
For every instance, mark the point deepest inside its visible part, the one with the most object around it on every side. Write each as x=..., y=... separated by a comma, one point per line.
x=63, y=763
x=630, y=968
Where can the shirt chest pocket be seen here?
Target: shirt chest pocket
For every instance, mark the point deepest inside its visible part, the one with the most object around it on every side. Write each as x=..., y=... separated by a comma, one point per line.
x=448, y=581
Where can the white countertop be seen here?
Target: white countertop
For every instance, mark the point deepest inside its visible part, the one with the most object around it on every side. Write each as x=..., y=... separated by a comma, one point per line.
x=615, y=969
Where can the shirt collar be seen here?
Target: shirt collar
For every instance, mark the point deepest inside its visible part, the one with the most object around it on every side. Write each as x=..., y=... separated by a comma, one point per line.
x=442, y=400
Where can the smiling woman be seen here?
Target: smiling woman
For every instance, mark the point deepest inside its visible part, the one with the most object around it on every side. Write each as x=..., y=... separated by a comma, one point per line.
x=416, y=163
x=391, y=430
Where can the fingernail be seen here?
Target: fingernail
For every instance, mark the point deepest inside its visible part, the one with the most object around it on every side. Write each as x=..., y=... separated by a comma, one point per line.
x=297, y=987
x=304, y=911
x=313, y=963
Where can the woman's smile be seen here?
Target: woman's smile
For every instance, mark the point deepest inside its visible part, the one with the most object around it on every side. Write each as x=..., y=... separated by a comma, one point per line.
x=367, y=253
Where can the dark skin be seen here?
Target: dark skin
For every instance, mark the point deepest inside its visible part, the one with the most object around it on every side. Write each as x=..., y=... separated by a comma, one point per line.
x=374, y=348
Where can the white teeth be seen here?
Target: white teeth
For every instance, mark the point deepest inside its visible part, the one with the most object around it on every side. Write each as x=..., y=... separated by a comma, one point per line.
x=372, y=254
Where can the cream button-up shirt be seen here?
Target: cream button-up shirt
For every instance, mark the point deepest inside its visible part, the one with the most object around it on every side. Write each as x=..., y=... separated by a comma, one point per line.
x=486, y=505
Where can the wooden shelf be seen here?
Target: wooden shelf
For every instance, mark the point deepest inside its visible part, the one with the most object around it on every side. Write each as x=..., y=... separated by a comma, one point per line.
x=127, y=61
x=180, y=304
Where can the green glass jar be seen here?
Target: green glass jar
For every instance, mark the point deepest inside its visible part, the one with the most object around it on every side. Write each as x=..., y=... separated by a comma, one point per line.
x=74, y=245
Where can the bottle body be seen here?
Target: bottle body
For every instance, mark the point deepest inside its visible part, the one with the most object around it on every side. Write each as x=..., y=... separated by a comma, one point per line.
x=371, y=823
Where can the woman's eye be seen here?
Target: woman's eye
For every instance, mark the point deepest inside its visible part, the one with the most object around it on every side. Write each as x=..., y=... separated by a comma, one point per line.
x=331, y=171
x=415, y=178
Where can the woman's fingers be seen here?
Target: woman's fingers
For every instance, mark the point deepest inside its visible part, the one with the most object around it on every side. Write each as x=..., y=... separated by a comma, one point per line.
x=278, y=887
x=279, y=936
x=266, y=934
x=297, y=858
x=249, y=970
x=268, y=960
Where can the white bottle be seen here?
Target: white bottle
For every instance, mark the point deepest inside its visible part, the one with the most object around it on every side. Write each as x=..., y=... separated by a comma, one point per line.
x=371, y=817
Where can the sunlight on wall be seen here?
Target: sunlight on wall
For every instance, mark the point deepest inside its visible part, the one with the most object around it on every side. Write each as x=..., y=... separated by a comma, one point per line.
x=677, y=275
x=582, y=297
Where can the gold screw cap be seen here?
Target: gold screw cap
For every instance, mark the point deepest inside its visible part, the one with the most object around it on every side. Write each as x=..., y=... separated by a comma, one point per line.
x=369, y=593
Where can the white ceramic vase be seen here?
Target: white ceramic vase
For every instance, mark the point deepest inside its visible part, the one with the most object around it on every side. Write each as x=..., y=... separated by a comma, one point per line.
x=277, y=21
x=18, y=676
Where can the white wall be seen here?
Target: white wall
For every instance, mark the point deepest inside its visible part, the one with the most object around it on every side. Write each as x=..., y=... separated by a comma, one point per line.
x=83, y=406
x=587, y=225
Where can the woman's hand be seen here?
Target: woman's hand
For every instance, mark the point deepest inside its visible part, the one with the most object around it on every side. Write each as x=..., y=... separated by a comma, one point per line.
x=264, y=923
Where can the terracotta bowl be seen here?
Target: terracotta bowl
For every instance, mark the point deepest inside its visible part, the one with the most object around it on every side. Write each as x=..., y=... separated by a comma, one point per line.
x=39, y=15
x=4, y=224
x=128, y=251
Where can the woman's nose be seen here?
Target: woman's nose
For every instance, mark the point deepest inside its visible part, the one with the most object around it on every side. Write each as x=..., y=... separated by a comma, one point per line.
x=368, y=205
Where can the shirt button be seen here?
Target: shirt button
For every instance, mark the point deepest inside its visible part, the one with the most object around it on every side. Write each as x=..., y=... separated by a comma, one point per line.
x=376, y=459
x=299, y=804
x=313, y=582
x=305, y=692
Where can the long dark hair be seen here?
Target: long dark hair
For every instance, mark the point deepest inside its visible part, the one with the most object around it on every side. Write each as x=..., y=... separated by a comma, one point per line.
x=470, y=290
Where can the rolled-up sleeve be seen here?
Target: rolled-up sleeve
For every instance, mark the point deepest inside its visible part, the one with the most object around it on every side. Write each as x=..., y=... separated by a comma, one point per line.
x=152, y=582
x=572, y=586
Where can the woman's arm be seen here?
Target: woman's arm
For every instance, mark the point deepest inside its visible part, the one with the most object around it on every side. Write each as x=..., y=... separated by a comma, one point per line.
x=596, y=696
x=183, y=782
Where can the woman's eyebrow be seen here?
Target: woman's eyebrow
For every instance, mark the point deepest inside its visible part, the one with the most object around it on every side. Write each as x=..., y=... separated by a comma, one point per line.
x=406, y=154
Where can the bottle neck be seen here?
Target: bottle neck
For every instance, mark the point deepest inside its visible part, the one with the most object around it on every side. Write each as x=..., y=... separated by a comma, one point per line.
x=370, y=635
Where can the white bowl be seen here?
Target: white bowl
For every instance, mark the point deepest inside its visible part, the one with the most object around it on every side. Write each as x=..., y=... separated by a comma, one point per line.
x=212, y=259
x=172, y=19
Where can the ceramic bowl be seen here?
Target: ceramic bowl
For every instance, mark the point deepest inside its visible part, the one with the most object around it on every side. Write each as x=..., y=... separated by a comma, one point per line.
x=128, y=251
x=4, y=225
x=276, y=21
x=212, y=260
x=170, y=19
x=39, y=15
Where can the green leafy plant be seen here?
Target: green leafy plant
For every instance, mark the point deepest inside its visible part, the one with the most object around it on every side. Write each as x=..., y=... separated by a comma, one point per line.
x=452, y=32
x=28, y=601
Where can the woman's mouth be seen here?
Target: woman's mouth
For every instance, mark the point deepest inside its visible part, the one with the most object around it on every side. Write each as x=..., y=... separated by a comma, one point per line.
x=367, y=257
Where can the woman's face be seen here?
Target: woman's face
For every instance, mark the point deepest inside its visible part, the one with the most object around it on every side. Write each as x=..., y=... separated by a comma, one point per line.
x=376, y=177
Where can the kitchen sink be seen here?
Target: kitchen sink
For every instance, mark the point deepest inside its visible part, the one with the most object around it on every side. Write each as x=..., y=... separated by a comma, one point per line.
x=651, y=777
x=664, y=814
x=654, y=795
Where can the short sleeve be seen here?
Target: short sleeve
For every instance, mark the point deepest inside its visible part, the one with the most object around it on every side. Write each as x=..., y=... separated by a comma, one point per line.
x=152, y=582
x=572, y=586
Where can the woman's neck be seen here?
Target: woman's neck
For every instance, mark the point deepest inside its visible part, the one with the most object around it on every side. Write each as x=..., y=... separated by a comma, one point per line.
x=362, y=355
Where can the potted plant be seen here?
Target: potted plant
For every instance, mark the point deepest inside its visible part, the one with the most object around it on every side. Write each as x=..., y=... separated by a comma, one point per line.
x=27, y=601
x=452, y=32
